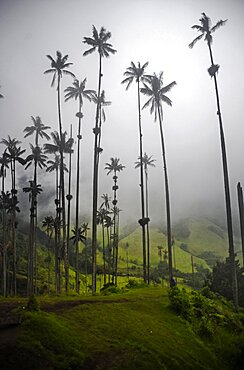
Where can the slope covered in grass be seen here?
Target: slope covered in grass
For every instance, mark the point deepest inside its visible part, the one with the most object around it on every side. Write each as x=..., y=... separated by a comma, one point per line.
x=131, y=330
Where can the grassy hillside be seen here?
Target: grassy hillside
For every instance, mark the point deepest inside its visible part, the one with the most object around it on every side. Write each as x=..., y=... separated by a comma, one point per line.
x=136, y=329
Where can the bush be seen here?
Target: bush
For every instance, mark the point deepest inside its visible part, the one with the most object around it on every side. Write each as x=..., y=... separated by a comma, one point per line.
x=32, y=304
x=180, y=302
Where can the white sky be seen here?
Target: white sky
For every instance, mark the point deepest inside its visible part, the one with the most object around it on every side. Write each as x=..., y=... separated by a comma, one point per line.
x=157, y=31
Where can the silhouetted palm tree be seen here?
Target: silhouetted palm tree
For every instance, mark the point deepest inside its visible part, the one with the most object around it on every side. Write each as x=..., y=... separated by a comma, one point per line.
x=4, y=161
x=33, y=191
x=206, y=31
x=78, y=91
x=58, y=68
x=155, y=90
x=137, y=74
x=38, y=129
x=84, y=230
x=48, y=224
x=78, y=237
x=102, y=213
x=14, y=153
x=146, y=161
x=115, y=167
x=99, y=42
x=54, y=165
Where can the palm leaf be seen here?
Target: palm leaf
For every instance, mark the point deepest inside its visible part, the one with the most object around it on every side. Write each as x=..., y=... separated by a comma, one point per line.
x=195, y=40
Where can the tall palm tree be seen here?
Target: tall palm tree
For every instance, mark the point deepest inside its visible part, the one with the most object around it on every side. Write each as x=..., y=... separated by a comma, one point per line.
x=59, y=68
x=206, y=31
x=155, y=90
x=84, y=230
x=137, y=74
x=146, y=161
x=14, y=154
x=60, y=145
x=48, y=224
x=102, y=213
x=115, y=167
x=39, y=160
x=98, y=42
x=78, y=237
x=78, y=91
x=54, y=165
x=4, y=161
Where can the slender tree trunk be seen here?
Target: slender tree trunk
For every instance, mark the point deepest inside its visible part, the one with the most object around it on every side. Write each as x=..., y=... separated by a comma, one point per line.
x=167, y=197
x=142, y=223
x=69, y=200
x=64, y=244
x=147, y=230
x=227, y=191
x=95, y=184
x=77, y=285
x=14, y=235
x=241, y=215
x=4, y=240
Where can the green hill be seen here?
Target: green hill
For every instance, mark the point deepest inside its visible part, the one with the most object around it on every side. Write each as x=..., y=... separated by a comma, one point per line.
x=131, y=330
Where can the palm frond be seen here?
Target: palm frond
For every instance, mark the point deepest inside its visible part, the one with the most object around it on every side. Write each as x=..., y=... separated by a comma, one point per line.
x=89, y=51
x=195, y=40
x=218, y=24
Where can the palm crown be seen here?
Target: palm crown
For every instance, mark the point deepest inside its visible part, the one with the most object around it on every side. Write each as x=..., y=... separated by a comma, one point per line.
x=78, y=90
x=99, y=42
x=59, y=66
x=37, y=157
x=55, y=165
x=135, y=73
x=59, y=145
x=206, y=29
x=114, y=166
x=156, y=91
x=38, y=128
x=145, y=161
x=101, y=101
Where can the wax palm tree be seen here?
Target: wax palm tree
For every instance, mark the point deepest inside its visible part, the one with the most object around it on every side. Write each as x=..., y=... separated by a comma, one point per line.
x=155, y=90
x=14, y=154
x=115, y=167
x=102, y=213
x=59, y=68
x=48, y=225
x=206, y=31
x=61, y=146
x=4, y=164
x=39, y=159
x=78, y=237
x=54, y=165
x=84, y=231
x=78, y=92
x=98, y=42
x=146, y=161
x=137, y=74
x=33, y=189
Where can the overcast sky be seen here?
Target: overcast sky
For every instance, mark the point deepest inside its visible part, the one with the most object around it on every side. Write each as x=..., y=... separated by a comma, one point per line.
x=157, y=31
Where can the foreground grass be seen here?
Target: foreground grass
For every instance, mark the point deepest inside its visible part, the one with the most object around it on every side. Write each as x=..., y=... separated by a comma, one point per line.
x=132, y=330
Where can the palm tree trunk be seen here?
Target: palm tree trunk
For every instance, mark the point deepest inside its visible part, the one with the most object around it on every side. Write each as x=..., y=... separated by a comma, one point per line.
x=227, y=191
x=64, y=244
x=142, y=188
x=14, y=237
x=69, y=201
x=241, y=214
x=167, y=197
x=77, y=202
x=147, y=230
x=104, y=257
x=95, y=184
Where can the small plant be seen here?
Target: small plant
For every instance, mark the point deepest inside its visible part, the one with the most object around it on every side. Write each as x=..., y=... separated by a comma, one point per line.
x=32, y=304
x=205, y=328
x=180, y=302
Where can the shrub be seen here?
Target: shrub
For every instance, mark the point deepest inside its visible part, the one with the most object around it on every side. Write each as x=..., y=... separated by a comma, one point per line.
x=32, y=304
x=180, y=302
